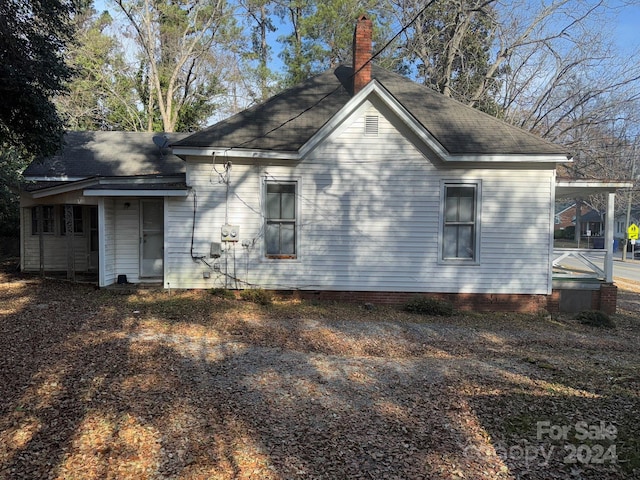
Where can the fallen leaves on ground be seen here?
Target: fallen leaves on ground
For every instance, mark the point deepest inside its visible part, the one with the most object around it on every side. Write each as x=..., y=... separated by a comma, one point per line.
x=142, y=384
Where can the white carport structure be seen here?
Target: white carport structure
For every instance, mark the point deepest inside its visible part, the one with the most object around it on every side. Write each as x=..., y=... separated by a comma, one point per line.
x=589, y=270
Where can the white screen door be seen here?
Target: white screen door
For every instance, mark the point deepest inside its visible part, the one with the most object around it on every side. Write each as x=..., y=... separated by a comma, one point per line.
x=152, y=241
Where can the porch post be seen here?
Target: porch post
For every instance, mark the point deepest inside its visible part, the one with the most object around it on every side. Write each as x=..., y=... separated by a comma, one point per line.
x=608, y=238
x=102, y=250
x=68, y=223
x=40, y=223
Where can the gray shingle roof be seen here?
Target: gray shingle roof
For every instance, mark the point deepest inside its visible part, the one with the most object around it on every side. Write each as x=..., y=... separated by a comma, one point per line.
x=253, y=128
x=109, y=154
x=288, y=120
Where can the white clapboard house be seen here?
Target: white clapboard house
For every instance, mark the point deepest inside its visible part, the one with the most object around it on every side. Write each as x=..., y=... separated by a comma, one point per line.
x=356, y=184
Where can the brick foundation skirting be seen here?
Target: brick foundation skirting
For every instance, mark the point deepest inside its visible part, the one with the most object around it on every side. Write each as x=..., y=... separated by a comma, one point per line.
x=608, y=298
x=461, y=301
x=604, y=299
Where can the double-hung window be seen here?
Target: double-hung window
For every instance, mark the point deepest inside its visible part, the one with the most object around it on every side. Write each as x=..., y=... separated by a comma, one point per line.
x=460, y=222
x=280, y=219
x=48, y=224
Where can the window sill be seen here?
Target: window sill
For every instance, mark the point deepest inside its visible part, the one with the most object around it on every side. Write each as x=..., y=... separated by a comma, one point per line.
x=460, y=262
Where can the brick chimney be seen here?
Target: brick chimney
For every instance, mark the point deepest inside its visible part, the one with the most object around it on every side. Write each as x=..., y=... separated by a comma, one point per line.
x=362, y=53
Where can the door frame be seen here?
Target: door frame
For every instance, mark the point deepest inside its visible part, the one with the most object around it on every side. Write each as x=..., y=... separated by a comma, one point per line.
x=160, y=202
x=93, y=263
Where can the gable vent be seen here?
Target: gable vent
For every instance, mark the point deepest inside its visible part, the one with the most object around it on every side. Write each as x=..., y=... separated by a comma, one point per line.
x=371, y=125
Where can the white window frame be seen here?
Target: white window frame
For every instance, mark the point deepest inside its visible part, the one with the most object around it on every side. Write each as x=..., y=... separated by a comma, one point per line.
x=286, y=180
x=477, y=186
x=52, y=220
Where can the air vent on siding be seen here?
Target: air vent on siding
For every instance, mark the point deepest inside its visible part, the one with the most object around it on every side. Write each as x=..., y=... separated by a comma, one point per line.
x=371, y=125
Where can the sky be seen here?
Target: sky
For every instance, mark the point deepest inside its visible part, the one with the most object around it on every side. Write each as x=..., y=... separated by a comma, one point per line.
x=627, y=28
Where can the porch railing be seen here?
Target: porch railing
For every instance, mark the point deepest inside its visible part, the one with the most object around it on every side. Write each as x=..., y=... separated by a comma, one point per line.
x=579, y=263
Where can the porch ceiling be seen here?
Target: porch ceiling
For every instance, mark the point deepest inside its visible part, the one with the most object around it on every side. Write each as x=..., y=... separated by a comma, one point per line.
x=582, y=188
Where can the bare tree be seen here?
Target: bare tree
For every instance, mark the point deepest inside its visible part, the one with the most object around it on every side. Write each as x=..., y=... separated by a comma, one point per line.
x=449, y=47
x=175, y=39
x=573, y=86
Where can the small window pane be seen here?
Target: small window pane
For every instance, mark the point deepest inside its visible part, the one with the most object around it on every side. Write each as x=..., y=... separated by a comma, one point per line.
x=466, y=209
x=47, y=219
x=465, y=242
x=273, y=205
x=449, y=244
x=288, y=206
x=272, y=236
x=287, y=239
x=152, y=215
x=451, y=210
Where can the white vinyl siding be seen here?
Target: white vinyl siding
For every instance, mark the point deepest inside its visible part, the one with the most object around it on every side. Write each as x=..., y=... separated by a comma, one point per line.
x=55, y=246
x=370, y=219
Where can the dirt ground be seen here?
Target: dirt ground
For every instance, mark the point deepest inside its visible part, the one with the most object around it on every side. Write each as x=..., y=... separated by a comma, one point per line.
x=112, y=384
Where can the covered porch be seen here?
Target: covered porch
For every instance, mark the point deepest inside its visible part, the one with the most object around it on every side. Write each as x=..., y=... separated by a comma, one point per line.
x=582, y=278
x=99, y=230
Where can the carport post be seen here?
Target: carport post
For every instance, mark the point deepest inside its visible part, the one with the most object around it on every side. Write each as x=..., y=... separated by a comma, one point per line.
x=68, y=223
x=40, y=223
x=608, y=238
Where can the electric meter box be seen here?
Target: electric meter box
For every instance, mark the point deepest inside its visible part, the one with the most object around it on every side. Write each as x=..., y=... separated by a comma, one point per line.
x=230, y=233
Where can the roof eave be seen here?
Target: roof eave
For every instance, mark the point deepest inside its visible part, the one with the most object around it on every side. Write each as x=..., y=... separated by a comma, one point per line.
x=55, y=178
x=579, y=188
x=91, y=181
x=132, y=192
x=184, y=152
x=508, y=158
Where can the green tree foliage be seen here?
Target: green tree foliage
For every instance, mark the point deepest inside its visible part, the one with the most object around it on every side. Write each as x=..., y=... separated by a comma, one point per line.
x=330, y=38
x=297, y=61
x=33, y=40
x=11, y=165
x=321, y=37
x=33, y=37
x=102, y=95
x=257, y=55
